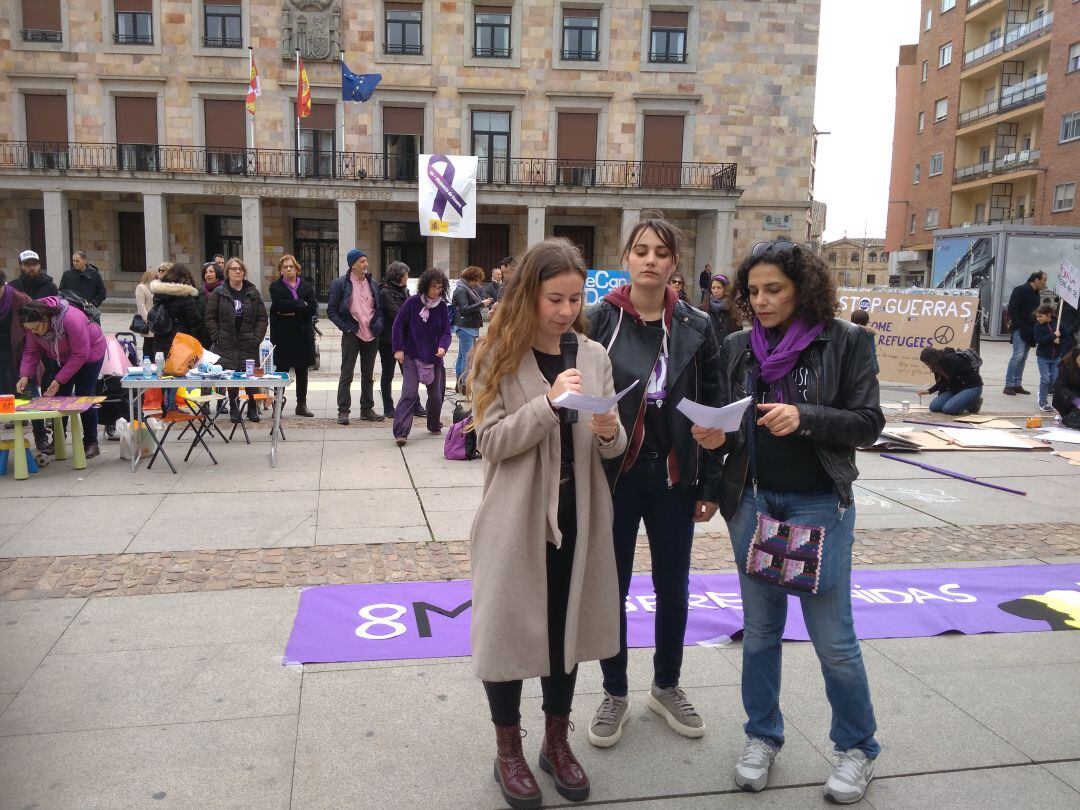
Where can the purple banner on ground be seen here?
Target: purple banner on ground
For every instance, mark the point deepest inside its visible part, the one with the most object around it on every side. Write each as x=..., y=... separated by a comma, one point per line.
x=390, y=621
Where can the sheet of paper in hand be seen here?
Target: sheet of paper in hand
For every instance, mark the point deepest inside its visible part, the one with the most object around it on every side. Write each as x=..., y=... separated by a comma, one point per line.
x=579, y=402
x=726, y=419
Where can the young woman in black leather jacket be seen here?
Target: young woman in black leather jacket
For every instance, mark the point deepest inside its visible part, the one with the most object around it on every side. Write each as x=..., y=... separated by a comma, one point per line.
x=793, y=460
x=669, y=475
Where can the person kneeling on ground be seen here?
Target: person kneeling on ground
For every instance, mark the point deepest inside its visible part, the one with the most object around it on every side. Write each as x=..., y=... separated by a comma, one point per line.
x=956, y=382
x=1067, y=389
x=544, y=583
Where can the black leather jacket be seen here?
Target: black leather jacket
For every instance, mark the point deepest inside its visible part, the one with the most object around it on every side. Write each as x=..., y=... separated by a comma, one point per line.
x=693, y=372
x=845, y=412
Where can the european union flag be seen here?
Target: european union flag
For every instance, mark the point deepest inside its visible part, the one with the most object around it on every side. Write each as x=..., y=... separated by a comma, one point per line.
x=356, y=87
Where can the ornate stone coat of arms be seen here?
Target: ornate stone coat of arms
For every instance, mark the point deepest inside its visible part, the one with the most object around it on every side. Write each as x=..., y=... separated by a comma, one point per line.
x=313, y=27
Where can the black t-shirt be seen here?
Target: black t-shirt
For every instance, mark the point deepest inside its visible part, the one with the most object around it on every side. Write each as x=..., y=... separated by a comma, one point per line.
x=789, y=463
x=551, y=366
x=657, y=438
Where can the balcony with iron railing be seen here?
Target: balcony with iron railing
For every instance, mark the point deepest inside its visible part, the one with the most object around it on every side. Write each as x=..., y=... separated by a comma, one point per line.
x=1020, y=35
x=360, y=167
x=1013, y=97
x=41, y=35
x=1006, y=164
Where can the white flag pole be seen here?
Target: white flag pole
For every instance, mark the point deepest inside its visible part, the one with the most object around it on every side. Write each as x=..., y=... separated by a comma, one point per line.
x=251, y=115
x=341, y=146
x=298, y=112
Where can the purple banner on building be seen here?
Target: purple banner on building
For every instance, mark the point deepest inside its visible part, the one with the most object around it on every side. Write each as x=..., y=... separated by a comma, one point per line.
x=399, y=620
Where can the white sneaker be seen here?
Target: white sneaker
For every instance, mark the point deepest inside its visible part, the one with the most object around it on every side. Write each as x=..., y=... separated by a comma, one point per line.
x=1047, y=408
x=752, y=769
x=850, y=778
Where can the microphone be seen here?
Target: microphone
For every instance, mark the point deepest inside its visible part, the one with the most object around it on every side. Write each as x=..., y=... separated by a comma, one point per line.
x=568, y=347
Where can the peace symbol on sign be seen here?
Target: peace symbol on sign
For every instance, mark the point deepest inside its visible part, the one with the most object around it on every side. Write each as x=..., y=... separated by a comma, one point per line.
x=944, y=334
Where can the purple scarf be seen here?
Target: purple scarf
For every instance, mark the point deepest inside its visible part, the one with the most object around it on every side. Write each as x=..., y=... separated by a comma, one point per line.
x=778, y=357
x=7, y=297
x=293, y=287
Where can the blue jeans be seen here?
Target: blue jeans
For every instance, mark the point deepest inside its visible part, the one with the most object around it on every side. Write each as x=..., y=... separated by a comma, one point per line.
x=466, y=338
x=954, y=404
x=1014, y=374
x=828, y=621
x=1048, y=372
x=642, y=493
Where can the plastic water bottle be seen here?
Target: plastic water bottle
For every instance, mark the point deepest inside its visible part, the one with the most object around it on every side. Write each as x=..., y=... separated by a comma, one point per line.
x=159, y=362
x=266, y=348
x=147, y=369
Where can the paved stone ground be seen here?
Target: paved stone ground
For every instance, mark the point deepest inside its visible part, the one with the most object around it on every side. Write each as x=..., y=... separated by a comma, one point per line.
x=193, y=571
x=172, y=693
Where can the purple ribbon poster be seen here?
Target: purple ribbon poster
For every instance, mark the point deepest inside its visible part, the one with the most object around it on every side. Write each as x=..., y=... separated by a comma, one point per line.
x=447, y=195
x=389, y=621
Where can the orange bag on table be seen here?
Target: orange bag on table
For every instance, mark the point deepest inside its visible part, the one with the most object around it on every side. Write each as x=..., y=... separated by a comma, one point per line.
x=183, y=356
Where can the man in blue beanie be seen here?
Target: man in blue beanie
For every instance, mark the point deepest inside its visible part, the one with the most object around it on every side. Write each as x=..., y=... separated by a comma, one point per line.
x=354, y=308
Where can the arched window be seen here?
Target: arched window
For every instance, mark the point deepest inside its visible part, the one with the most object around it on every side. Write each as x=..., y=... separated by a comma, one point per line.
x=871, y=256
x=854, y=257
x=832, y=258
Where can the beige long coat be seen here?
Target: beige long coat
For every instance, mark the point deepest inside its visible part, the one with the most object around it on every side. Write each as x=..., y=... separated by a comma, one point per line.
x=518, y=517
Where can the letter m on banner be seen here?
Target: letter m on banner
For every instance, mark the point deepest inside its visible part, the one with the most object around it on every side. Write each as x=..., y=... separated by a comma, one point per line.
x=1068, y=284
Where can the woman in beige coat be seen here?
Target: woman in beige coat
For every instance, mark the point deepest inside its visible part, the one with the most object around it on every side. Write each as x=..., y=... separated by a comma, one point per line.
x=545, y=591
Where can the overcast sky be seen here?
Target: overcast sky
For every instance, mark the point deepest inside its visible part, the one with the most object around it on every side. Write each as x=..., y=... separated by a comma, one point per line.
x=856, y=95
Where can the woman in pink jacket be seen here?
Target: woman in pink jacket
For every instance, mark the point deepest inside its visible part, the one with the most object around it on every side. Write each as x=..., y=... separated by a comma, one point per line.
x=61, y=332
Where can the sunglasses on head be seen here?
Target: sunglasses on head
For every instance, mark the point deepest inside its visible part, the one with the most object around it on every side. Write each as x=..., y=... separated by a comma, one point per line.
x=776, y=246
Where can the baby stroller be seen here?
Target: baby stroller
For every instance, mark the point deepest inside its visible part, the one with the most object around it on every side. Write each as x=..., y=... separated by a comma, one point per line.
x=121, y=352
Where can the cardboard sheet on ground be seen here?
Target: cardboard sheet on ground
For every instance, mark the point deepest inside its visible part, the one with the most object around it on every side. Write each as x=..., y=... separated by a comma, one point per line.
x=579, y=402
x=398, y=620
x=994, y=422
x=983, y=438
x=726, y=419
x=1061, y=435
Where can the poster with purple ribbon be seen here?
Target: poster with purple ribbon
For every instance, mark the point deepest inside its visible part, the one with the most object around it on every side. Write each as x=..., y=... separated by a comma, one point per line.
x=401, y=620
x=448, y=196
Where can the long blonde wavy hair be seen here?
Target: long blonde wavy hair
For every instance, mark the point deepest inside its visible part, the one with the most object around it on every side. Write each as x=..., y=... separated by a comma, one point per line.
x=513, y=326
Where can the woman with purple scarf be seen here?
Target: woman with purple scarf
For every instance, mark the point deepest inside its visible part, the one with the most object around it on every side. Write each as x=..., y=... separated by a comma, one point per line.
x=787, y=498
x=421, y=336
x=293, y=312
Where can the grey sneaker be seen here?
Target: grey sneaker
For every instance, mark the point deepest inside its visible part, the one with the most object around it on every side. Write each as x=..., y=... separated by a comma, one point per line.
x=850, y=777
x=752, y=769
x=606, y=728
x=673, y=705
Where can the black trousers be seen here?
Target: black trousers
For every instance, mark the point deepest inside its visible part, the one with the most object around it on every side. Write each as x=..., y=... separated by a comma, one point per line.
x=504, y=697
x=301, y=375
x=352, y=348
x=386, y=381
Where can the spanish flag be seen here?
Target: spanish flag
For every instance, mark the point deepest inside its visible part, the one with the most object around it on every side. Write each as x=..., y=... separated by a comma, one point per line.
x=254, y=87
x=303, y=89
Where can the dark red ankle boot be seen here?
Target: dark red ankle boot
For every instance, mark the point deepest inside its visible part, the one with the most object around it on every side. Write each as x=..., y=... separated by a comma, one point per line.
x=557, y=759
x=512, y=772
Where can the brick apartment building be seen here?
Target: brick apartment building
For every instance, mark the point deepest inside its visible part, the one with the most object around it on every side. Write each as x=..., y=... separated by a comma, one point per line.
x=987, y=123
x=123, y=130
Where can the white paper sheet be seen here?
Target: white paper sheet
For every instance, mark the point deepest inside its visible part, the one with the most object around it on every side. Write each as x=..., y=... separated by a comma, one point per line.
x=1061, y=434
x=573, y=401
x=966, y=437
x=726, y=419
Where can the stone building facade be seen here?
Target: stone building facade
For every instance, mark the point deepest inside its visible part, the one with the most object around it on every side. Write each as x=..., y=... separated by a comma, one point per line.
x=857, y=262
x=123, y=130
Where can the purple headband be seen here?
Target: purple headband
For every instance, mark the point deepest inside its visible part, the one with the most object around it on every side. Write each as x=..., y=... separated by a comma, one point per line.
x=723, y=278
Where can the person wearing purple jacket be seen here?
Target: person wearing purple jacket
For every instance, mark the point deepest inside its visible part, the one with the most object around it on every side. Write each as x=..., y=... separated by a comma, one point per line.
x=421, y=336
x=60, y=332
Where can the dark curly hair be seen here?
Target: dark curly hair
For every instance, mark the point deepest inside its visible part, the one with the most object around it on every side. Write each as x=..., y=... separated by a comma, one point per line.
x=429, y=277
x=815, y=293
